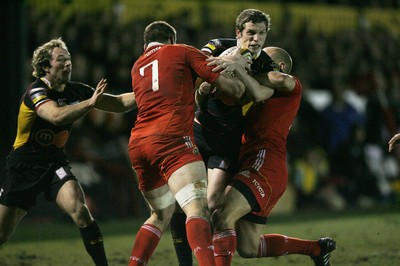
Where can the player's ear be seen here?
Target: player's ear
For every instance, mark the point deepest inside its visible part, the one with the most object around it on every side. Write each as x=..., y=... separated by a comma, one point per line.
x=238, y=33
x=282, y=67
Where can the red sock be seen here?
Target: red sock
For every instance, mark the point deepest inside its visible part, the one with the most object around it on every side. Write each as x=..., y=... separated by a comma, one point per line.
x=273, y=245
x=200, y=240
x=145, y=243
x=224, y=246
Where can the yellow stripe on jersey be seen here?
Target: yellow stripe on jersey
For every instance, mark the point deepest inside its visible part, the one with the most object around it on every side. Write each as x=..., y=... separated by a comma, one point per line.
x=210, y=46
x=38, y=99
x=26, y=118
x=246, y=107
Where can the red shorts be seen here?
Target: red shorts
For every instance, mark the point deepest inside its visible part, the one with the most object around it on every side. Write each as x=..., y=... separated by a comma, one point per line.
x=156, y=158
x=262, y=180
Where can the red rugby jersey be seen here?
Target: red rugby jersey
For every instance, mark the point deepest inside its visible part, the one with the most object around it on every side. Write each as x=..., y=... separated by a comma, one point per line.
x=269, y=122
x=163, y=80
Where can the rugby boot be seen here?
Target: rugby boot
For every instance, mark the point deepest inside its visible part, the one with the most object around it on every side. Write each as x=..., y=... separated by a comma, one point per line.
x=327, y=246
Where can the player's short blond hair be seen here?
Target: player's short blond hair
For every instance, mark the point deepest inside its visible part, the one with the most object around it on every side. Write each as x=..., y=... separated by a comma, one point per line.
x=42, y=56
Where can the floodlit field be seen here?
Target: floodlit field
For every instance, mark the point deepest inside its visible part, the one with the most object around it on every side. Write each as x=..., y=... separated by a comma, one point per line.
x=363, y=238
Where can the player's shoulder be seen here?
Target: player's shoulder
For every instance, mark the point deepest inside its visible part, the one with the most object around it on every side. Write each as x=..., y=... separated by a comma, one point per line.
x=262, y=64
x=39, y=83
x=216, y=46
x=298, y=86
x=77, y=85
x=182, y=46
x=180, y=49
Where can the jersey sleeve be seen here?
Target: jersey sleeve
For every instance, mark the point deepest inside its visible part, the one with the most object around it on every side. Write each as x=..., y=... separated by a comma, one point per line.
x=197, y=60
x=215, y=47
x=38, y=96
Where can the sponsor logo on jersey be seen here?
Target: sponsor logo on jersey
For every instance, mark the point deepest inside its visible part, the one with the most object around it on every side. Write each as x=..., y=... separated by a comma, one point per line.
x=259, y=188
x=245, y=173
x=47, y=137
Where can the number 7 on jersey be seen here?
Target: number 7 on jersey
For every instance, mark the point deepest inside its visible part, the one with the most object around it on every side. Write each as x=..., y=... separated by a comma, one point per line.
x=154, y=74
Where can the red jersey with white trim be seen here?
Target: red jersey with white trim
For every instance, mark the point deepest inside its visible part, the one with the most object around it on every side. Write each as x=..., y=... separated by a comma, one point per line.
x=163, y=80
x=268, y=123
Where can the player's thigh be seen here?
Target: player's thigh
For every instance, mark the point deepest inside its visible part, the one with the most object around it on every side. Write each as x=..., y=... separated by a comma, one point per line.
x=187, y=174
x=70, y=197
x=189, y=186
x=248, y=238
x=232, y=206
x=217, y=181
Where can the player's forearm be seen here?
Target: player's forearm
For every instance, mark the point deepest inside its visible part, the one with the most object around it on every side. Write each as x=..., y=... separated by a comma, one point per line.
x=64, y=115
x=117, y=103
x=254, y=90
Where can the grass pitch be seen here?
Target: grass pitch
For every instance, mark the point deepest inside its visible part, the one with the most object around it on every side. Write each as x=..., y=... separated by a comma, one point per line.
x=363, y=238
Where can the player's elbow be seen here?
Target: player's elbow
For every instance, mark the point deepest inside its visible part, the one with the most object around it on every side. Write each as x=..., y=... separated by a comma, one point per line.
x=238, y=90
x=259, y=95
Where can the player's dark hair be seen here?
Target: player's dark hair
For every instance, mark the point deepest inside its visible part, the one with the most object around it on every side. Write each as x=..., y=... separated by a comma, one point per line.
x=159, y=31
x=252, y=15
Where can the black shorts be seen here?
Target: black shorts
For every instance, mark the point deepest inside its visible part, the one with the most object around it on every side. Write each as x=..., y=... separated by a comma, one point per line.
x=25, y=181
x=218, y=151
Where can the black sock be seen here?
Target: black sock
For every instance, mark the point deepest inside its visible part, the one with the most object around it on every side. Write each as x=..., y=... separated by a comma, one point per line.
x=93, y=241
x=181, y=244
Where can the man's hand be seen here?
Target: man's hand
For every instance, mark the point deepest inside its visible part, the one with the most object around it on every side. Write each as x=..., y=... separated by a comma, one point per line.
x=229, y=63
x=98, y=93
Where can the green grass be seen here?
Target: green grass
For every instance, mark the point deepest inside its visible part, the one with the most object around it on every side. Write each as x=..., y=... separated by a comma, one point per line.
x=363, y=238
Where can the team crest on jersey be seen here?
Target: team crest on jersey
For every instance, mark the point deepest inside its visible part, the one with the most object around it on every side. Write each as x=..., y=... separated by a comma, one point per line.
x=245, y=173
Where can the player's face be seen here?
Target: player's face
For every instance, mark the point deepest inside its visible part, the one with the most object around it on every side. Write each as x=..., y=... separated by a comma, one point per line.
x=60, y=68
x=253, y=36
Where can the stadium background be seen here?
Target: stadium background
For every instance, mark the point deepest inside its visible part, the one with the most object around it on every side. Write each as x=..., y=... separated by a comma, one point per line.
x=347, y=48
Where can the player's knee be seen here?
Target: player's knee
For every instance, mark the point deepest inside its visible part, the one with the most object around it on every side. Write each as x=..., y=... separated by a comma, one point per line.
x=80, y=214
x=161, y=218
x=220, y=220
x=246, y=251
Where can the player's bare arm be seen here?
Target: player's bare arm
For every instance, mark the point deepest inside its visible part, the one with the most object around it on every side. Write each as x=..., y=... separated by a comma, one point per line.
x=63, y=115
x=117, y=103
x=277, y=80
x=255, y=91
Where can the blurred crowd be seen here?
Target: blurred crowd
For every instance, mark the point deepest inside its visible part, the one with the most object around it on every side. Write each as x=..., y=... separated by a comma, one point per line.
x=355, y=3
x=337, y=147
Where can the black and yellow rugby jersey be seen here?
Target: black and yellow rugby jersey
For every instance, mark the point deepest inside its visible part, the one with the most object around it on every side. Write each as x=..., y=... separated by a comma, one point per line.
x=38, y=139
x=212, y=113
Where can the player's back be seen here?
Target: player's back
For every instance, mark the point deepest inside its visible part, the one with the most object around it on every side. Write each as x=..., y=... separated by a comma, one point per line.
x=163, y=81
x=269, y=122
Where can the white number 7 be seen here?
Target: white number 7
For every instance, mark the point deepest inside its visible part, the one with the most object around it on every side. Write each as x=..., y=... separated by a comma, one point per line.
x=154, y=74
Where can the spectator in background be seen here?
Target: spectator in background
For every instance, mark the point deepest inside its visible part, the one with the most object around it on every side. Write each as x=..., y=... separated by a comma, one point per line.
x=336, y=123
